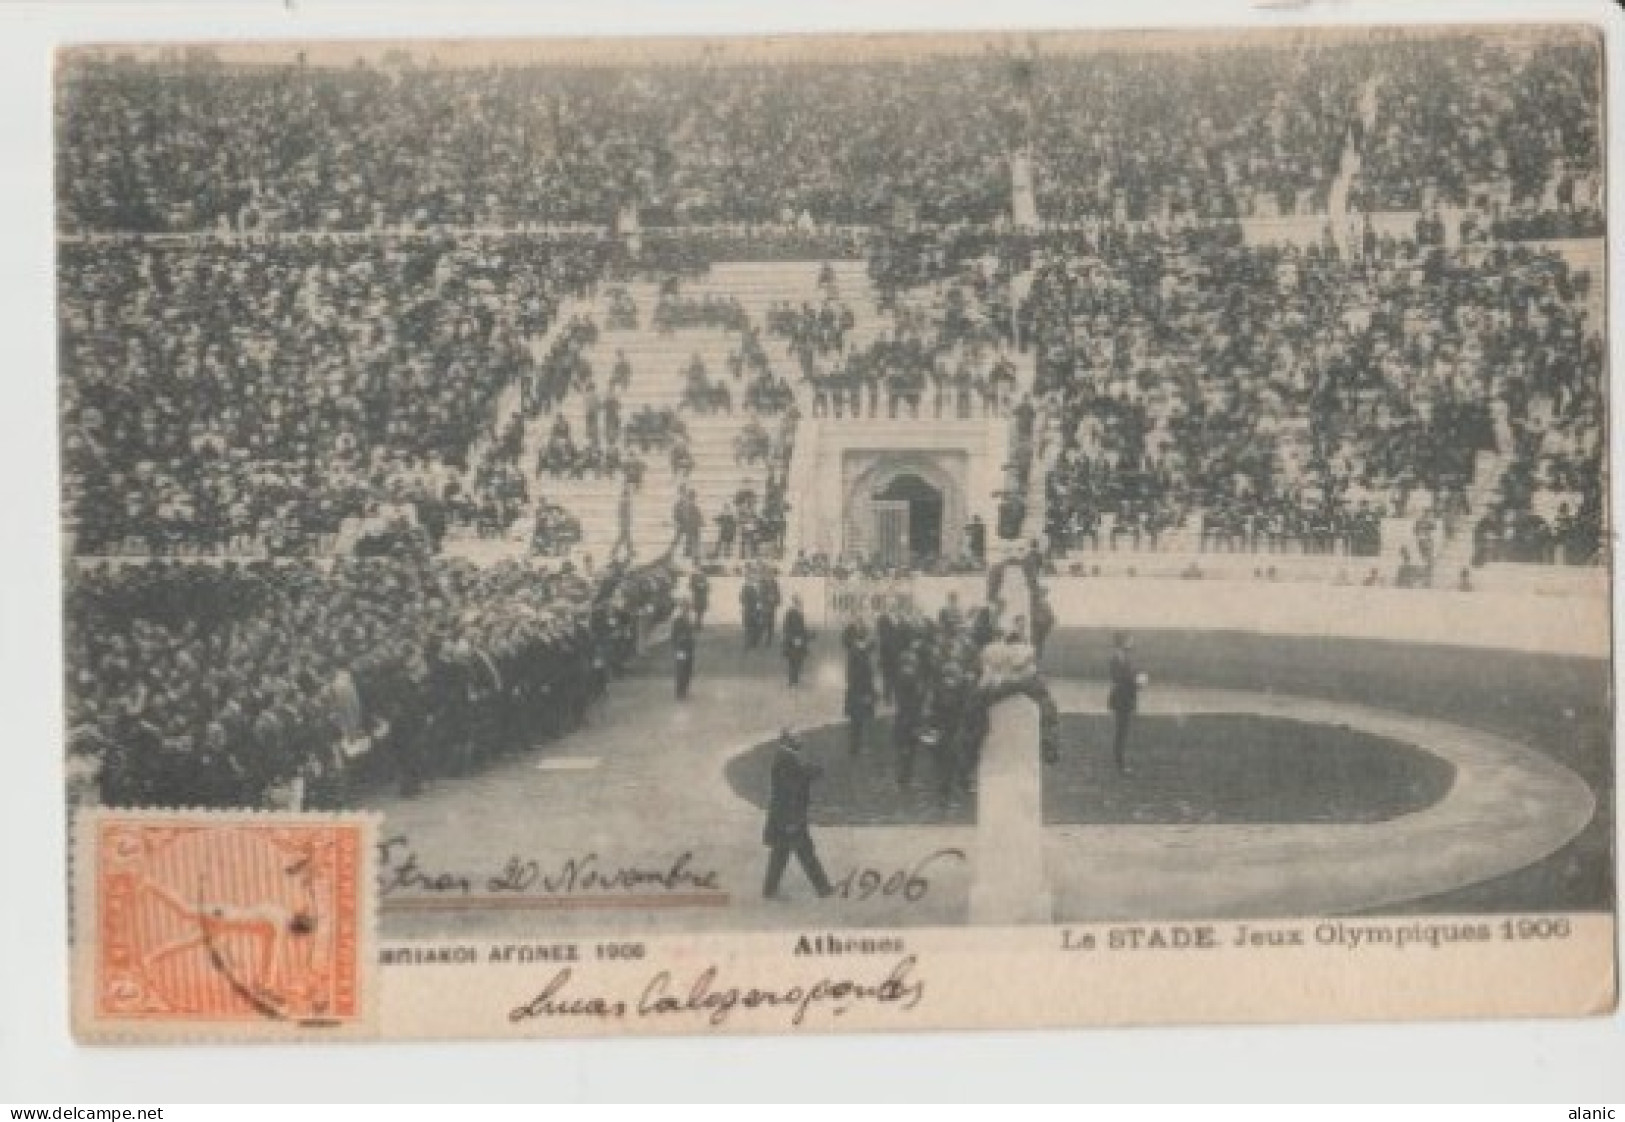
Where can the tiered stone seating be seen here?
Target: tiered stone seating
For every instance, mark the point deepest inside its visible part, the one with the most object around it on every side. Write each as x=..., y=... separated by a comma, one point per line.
x=659, y=363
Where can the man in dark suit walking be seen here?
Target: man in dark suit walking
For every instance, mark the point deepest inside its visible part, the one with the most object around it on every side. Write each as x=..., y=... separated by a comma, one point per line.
x=796, y=639
x=682, y=649
x=787, y=830
x=1124, y=698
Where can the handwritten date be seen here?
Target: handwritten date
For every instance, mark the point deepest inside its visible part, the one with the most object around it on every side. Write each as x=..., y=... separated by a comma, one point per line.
x=911, y=884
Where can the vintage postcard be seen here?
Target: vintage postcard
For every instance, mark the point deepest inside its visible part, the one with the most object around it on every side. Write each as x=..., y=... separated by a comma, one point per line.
x=813, y=534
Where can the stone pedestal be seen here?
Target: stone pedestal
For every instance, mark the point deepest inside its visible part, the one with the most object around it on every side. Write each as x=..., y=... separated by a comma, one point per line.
x=1011, y=885
x=1015, y=600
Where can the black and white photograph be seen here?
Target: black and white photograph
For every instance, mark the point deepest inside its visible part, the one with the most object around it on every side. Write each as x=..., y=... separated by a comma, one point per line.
x=1135, y=490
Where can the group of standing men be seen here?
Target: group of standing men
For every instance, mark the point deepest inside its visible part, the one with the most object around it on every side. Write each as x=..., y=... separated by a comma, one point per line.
x=759, y=600
x=929, y=668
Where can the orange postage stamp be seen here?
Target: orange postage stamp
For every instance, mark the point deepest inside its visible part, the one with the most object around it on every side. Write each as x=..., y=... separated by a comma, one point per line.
x=224, y=922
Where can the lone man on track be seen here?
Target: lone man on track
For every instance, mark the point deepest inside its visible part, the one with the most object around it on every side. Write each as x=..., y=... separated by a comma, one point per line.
x=1124, y=698
x=787, y=830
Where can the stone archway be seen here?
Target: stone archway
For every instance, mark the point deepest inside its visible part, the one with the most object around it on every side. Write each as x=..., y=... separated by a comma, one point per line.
x=923, y=504
x=932, y=487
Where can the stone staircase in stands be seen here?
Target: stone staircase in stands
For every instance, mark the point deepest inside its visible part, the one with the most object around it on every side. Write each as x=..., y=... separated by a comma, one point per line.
x=659, y=363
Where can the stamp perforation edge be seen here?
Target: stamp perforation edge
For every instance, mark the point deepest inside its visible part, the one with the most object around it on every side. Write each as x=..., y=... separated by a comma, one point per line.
x=92, y=1026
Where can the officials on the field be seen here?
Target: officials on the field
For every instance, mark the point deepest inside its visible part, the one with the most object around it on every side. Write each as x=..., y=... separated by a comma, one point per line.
x=860, y=683
x=682, y=648
x=787, y=830
x=771, y=597
x=1124, y=698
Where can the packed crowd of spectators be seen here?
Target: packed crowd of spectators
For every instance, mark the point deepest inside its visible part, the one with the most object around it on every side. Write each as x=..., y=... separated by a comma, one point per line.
x=185, y=145
x=1129, y=131
x=769, y=395
x=942, y=672
x=703, y=394
x=293, y=684
x=1486, y=121
x=249, y=392
x=1296, y=396
x=942, y=349
x=1217, y=133
x=253, y=395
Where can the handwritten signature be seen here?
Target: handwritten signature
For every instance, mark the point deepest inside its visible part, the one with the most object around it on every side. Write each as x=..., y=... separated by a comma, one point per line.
x=400, y=871
x=662, y=996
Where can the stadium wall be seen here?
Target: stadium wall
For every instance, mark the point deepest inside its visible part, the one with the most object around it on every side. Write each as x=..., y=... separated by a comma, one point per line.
x=1525, y=617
